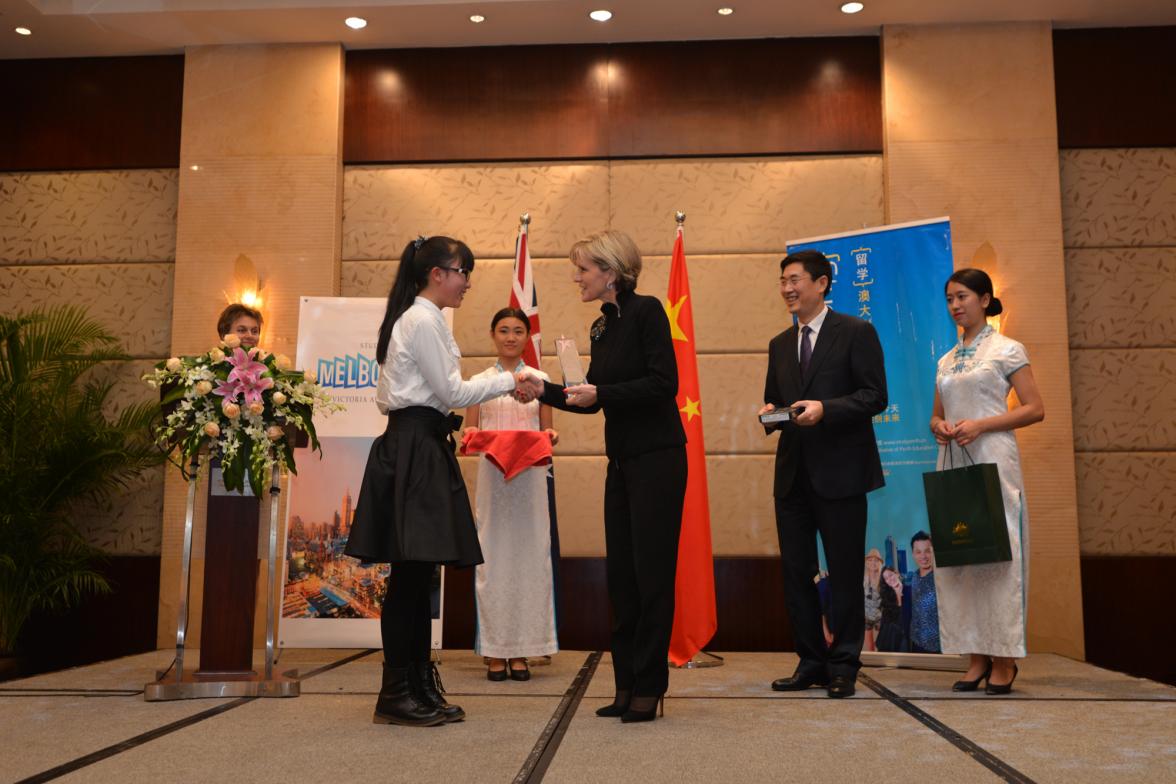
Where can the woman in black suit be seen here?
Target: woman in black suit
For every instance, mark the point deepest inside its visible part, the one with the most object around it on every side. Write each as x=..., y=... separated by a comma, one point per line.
x=633, y=378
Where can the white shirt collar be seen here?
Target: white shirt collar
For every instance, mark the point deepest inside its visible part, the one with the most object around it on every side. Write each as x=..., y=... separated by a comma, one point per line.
x=815, y=324
x=429, y=305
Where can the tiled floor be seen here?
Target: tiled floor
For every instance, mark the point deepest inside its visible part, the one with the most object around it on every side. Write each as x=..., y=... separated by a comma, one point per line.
x=1066, y=722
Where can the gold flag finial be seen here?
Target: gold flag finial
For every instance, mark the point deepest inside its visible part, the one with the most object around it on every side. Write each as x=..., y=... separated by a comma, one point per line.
x=525, y=219
x=680, y=217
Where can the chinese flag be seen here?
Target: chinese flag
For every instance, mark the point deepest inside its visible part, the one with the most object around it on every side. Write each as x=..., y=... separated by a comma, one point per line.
x=695, y=619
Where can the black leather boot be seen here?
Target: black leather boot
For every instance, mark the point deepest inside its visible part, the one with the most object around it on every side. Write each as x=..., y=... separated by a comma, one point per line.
x=398, y=705
x=428, y=689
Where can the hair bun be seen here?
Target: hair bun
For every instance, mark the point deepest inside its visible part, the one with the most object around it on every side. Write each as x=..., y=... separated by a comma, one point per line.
x=994, y=308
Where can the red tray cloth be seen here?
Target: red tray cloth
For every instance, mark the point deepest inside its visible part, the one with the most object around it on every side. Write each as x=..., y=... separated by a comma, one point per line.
x=511, y=451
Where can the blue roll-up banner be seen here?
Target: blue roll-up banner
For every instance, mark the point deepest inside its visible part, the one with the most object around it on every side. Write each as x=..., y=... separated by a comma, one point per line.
x=893, y=277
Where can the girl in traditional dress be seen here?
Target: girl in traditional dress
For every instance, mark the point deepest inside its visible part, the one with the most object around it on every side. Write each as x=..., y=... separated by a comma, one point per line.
x=413, y=511
x=982, y=606
x=515, y=587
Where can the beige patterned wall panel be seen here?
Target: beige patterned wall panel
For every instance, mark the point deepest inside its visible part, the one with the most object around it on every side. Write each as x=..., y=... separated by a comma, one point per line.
x=1124, y=399
x=1119, y=197
x=1122, y=297
x=719, y=285
x=744, y=205
x=134, y=301
x=1127, y=503
x=742, y=523
x=386, y=206
x=130, y=522
x=123, y=215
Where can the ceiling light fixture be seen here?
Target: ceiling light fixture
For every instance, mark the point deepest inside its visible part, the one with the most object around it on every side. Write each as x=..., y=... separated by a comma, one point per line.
x=477, y=19
x=23, y=31
x=726, y=11
x=851, y=8
x=355, y=22
x=600, y=16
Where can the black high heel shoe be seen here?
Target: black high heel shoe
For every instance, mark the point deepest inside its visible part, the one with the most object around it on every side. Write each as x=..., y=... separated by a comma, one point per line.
x=618, y=708
x=639, y=712
x=973, y=685
x=1001, y=688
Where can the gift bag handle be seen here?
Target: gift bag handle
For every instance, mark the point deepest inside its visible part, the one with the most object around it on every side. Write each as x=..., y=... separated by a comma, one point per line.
x=951, y=460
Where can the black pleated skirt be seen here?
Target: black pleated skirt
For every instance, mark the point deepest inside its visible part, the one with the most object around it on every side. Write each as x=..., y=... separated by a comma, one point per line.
x=413, y=504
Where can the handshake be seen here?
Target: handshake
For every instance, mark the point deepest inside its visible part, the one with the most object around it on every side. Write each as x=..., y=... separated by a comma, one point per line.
x=528, y=386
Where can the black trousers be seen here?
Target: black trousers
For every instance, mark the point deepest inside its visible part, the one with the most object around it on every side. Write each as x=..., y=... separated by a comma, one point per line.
x=406, y=619
x=643, y=498
x=841, y=522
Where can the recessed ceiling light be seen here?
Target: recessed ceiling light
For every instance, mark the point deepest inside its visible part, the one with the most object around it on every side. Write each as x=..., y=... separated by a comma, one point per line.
x=355, y=22
x=726, y=11
x=600, y=16
x=477, y=19
x=23, y=31
x=851, y=8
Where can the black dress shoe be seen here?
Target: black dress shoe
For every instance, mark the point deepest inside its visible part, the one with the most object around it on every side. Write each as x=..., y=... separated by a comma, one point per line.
x=841, y=686
x=799, y=682
x=520, y=674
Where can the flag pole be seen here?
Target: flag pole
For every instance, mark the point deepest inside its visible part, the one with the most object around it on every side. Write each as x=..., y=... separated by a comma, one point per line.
x=704, y=658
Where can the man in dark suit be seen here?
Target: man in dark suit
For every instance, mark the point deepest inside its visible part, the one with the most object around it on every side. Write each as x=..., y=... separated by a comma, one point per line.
x=829, y=367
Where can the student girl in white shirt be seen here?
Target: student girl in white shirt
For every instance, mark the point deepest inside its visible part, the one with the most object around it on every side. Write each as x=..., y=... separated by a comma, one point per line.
x=413, y=511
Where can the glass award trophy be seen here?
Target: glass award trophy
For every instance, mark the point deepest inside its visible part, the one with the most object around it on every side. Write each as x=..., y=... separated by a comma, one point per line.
x=569, y=361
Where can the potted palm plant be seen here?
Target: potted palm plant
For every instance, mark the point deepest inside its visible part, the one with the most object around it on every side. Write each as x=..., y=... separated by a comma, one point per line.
x=66, y=445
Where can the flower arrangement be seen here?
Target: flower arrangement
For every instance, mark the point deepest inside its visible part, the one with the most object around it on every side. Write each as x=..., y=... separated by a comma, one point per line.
x=245, y=405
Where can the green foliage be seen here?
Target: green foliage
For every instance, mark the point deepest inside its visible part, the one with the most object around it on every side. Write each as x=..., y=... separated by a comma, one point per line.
x=61, y=454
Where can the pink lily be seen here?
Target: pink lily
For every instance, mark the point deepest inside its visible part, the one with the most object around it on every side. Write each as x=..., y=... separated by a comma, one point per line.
x=244, y=379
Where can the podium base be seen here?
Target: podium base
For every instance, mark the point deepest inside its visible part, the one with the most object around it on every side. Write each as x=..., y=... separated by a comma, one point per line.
x=194, y=686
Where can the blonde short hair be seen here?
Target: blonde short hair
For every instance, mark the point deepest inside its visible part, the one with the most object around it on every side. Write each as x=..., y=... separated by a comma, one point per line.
x=611, y=250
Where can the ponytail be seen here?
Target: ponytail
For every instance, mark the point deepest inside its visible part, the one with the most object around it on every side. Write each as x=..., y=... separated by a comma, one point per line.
x=419, y=256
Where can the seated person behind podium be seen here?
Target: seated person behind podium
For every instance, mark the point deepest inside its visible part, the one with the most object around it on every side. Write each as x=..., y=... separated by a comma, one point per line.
x=242, y=321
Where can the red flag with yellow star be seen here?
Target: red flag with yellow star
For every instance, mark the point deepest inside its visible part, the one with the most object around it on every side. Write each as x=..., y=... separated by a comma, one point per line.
x=695, y=618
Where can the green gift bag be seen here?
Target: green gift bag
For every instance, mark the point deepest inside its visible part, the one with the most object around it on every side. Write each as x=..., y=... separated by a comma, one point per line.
x=965, y=511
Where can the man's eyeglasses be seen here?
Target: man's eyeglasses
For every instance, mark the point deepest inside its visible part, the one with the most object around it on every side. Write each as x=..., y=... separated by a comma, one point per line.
x=794, y=280
x=465, y=273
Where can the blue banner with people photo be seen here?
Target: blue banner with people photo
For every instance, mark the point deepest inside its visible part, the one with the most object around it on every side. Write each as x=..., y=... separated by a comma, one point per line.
x=893, y=277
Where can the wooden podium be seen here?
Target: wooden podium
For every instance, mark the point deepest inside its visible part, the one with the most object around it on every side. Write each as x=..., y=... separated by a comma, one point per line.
x=230, y=595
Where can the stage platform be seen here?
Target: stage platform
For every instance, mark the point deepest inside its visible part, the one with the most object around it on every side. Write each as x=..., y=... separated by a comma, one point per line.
x=1066, y=722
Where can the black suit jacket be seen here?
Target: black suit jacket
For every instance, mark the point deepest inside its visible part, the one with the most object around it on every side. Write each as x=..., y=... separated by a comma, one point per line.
x=846, y=373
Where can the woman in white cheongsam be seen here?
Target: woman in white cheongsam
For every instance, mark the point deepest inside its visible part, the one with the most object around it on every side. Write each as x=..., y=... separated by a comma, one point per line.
x=515, y=586
x=982, y=607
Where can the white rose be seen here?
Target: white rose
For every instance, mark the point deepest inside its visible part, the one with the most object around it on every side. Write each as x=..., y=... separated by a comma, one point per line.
x=279, y=398
x=261, y=355
x=232, y=341
x=212, y=429
x=311, y=376
x=274, y=432
x=203, y=387
x=216, y=356
x=230, y=409
x=283, y=362
x=174, y=364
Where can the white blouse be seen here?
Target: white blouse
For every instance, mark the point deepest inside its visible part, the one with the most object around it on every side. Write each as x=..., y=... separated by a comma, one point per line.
x=423, y=366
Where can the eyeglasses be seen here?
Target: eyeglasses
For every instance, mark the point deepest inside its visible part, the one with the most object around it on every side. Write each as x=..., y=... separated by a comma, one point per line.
x=465, y=273
x=794, y=280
